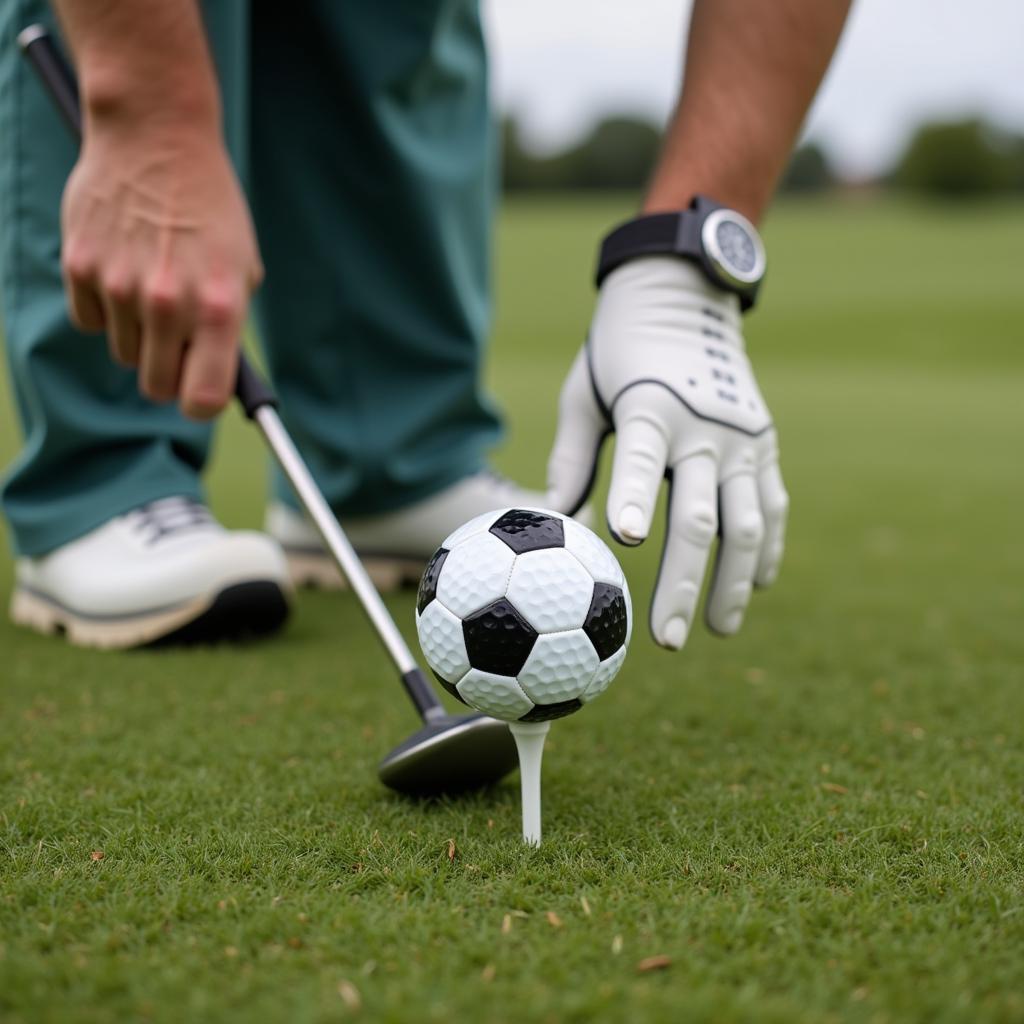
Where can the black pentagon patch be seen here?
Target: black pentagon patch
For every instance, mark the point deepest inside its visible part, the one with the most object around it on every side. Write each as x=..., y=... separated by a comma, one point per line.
x=428, y=582
x=606, y=621
x=549, y=712
x=529, y=531
x=450, y=687
x=498, y=639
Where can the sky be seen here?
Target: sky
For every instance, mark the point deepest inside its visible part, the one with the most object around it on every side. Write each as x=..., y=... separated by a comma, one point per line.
x=561, y=64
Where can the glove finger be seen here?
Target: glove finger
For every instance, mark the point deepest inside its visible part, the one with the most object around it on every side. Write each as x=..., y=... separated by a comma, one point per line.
x=641, y=449
x=775, y=508
x=692, y=526
x=582, y=428
x=738, y=554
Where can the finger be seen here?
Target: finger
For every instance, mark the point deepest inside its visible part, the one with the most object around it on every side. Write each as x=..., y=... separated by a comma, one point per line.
x=641, y=448
x=78, y=268
x=124, y=333
x=211, y=361
x=164, y=331
x=84, y=306
x=738, y=553
x=775, y=508
x=692, y=526
x=582, y=428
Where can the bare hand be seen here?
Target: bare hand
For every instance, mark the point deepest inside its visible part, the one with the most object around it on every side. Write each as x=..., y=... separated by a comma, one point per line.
x=159, y=251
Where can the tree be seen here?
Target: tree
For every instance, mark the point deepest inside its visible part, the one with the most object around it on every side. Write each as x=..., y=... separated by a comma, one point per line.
x=618, y=153
x=958, y=160
x=808, y=171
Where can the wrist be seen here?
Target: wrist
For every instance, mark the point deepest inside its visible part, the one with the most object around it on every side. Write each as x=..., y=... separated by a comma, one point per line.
x=672, y=199
x=717, y=239
x=130, y=99
x=670, y=191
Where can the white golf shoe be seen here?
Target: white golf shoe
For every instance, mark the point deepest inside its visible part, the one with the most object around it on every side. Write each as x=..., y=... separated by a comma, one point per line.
x=166, y=572
x=395, y=546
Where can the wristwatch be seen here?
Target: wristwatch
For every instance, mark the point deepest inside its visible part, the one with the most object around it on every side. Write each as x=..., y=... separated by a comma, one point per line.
x=721, y=241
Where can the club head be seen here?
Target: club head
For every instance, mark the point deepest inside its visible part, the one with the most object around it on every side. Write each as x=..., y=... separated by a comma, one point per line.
x=450, y=755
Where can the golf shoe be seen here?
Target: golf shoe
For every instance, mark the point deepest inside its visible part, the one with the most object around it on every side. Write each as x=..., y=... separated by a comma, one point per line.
x=166, y=572
x=395, y=546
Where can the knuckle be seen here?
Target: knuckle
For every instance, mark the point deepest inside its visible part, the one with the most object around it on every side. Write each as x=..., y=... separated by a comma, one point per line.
x=698, y=523
x=220, y=309
x=643, y=460
x=748, y=531
x=777, y=506
x=78, y=265
x=162, y=298
x=118, y=287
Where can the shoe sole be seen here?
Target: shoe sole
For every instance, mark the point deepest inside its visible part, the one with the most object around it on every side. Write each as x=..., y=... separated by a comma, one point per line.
x=238, y=612
x=318, y=571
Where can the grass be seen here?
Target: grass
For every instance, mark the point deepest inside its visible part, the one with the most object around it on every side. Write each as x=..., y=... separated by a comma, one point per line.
x=817, y=820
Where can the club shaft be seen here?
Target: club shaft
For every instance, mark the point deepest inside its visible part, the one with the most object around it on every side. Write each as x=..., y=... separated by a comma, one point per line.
x=313, y=501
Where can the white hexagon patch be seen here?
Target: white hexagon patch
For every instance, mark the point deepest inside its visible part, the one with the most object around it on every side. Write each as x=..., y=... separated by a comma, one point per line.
x=498, y=696
x=474, y=574
x=550, y=589
x=592, y=553
x=440, y=634
x=560, y=667
x=470, y=528
x=605, y=673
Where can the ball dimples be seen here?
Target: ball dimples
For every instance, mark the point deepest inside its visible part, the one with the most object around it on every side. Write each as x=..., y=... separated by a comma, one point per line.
x=524, y=614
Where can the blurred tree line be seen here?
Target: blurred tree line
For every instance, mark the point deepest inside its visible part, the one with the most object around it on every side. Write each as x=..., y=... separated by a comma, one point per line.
x=945, y=160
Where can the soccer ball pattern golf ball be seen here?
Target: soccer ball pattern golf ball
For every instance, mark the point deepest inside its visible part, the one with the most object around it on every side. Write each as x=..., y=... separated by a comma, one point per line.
x=524, y=614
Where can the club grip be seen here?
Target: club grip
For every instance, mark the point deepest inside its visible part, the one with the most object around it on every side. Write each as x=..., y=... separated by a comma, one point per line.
x=54, y=72
x=251, y=390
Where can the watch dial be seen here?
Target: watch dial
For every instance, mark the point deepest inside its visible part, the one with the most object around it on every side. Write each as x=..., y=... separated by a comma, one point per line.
x=736, y=245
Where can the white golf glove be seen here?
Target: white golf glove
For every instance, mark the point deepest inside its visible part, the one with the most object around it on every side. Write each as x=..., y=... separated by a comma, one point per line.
x=665, y=368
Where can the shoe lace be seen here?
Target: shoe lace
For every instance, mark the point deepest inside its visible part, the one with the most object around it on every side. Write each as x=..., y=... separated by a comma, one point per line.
x=166, y=517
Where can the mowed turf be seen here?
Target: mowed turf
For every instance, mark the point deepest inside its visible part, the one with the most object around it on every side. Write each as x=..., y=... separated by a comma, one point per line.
x=820, y=819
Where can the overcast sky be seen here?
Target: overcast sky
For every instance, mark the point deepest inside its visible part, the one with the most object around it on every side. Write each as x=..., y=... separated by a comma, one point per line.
x=559, y=64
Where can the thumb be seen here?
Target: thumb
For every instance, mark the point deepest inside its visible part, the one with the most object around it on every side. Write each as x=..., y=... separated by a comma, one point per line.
x=582, y=428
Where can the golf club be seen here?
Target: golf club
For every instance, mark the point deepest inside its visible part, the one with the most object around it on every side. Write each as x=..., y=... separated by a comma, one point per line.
x=451, y=752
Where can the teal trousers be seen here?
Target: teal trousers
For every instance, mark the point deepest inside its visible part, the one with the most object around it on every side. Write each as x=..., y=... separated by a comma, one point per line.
x=363, y=135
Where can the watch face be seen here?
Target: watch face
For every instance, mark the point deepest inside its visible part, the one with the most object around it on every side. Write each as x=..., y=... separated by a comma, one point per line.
x=733, y=247
x=737, y=246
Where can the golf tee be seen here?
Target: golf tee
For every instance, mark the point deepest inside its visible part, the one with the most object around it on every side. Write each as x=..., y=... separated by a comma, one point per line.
x=529, y=737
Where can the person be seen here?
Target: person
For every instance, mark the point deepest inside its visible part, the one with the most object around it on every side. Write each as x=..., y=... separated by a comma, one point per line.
x=355, y=142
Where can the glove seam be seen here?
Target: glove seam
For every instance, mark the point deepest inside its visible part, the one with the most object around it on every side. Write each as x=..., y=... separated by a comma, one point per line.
x=606, y=412
x=701, y=416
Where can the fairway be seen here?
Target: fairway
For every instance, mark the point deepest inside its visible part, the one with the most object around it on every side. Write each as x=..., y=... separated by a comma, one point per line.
x=820, y=819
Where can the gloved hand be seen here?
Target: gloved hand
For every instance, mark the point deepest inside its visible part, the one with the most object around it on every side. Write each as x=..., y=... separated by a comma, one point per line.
x=664, y=368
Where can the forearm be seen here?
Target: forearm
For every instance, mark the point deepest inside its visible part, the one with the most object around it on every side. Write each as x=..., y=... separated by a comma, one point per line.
x=141, y=61
x=752, y=69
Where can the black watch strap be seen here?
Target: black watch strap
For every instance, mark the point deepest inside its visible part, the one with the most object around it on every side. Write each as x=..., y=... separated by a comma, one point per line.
x=658, y=234
x=653, y=235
